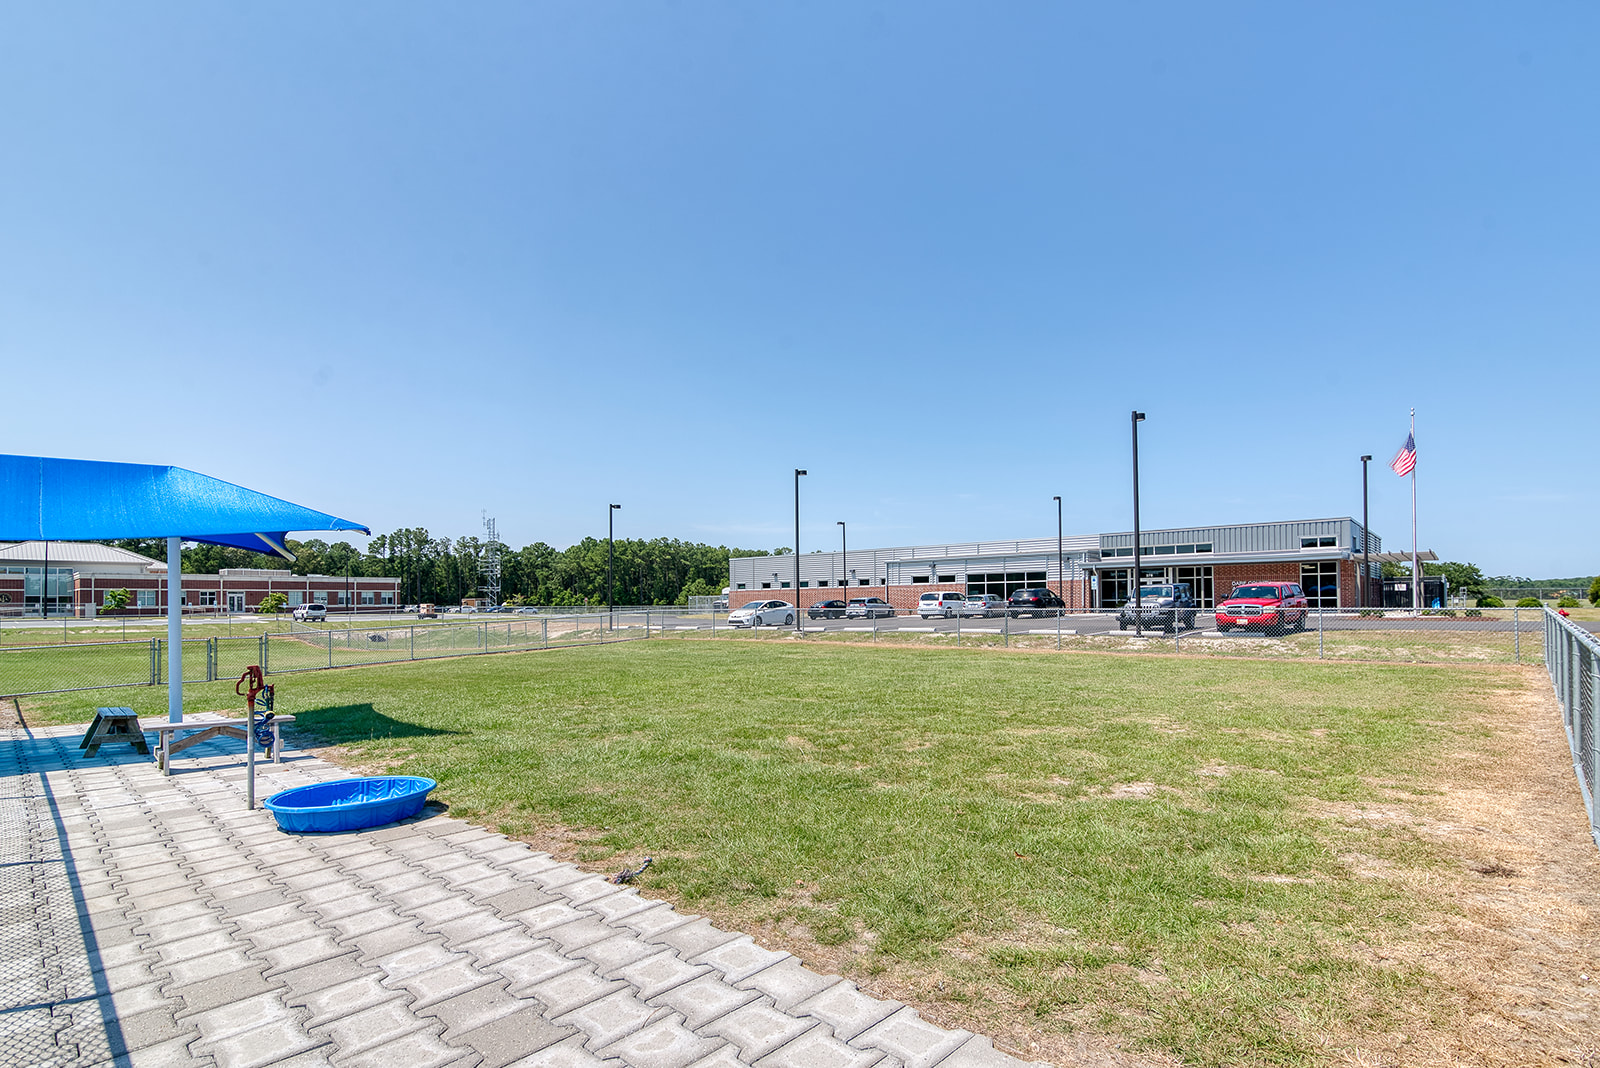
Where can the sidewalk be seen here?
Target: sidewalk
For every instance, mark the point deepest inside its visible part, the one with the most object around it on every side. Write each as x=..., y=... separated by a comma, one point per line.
x=153, y=921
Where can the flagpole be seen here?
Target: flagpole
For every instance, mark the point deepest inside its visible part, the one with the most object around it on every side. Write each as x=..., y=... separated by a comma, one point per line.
x=1416, y=571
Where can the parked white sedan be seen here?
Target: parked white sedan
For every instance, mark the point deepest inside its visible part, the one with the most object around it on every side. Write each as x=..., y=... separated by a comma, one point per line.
x=763, y=613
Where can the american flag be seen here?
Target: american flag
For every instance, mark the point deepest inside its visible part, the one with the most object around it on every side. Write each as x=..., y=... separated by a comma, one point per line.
x=1406, y=458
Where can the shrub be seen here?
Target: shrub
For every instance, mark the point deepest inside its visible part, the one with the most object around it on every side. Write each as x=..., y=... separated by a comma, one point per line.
x=1530, y=602
x=1594, y=592
x=1472, y=613
x=1567, y=602
x=272, y=602
x=1490, y=602
x=117, y=600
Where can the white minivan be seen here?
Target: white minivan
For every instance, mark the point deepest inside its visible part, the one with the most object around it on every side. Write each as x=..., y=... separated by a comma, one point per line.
x=940, y=604
x=314, y=612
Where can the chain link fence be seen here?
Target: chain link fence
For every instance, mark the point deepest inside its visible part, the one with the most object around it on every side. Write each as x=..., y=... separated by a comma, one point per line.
x=1473, y=636
x=1573, y=657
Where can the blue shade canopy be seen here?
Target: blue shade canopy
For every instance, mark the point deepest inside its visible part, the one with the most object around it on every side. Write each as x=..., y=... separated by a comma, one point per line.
x=47, y=499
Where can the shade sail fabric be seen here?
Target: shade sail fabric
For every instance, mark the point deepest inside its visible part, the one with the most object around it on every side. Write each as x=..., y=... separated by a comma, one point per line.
x=47, y=499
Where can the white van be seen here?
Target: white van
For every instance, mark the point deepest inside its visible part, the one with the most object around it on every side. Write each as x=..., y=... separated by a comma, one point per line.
x=940, y=604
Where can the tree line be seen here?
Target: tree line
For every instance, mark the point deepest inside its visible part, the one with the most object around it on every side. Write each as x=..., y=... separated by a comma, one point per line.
x=445, y=570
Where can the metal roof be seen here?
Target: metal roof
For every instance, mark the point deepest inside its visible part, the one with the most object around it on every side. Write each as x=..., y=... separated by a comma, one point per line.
x=70, y=552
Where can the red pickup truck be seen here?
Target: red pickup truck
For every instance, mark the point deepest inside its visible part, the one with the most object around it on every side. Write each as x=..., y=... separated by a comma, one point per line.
x=1270, y=606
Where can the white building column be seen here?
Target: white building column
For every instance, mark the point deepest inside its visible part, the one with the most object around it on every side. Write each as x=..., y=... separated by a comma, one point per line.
x=175, y=630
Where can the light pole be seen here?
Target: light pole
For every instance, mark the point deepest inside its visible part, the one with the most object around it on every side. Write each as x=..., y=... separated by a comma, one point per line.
x=799, y=618
x=1366, y=560
x=1061, y=560
x=611, y=558
x=844, y=564
x=1138, y=579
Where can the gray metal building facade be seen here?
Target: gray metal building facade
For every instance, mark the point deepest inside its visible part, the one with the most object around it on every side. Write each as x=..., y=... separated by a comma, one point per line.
x=1322, y=554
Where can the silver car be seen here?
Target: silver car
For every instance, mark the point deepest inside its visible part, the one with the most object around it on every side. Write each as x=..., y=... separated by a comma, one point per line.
x=763, y=613
x=986, y=605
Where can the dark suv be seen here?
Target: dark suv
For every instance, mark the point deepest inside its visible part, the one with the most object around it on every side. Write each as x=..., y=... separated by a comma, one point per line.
x=1034, y=602
x=1167, y=605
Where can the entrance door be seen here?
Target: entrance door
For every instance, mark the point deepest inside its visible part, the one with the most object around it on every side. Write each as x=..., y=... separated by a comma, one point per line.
x=235, y=601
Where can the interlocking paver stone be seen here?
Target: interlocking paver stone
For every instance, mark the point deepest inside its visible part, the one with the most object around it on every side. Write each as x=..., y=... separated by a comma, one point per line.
x=666, y=1043
x=705, y=999
x=758, y=1029
x=740, y=958
x=847, y=1010
x=421, y=1049
x=610, y=1018
x=508, y=1038
x=913, y=1040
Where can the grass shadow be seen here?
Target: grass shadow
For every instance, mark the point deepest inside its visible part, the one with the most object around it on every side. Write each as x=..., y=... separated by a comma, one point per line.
x=343, y=724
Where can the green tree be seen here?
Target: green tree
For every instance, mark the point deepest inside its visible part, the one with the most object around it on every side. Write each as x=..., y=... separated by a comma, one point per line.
x=1594, y=592
x=1463, y=579
x=272, y=603
x=117, y=600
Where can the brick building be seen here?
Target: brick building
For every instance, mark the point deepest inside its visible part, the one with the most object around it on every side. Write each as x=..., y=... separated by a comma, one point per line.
x=75, y=578
x=1086, y=570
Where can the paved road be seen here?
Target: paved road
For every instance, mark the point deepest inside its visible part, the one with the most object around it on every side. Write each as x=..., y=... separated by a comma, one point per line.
x=154, y=921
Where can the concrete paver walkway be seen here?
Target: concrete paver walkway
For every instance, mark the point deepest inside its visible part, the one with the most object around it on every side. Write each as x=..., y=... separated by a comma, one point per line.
x=152, y=920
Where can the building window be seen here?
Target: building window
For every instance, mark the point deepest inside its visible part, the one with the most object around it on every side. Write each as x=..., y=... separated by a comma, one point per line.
x=1165, y=550
x=1199, y=580
x=803, y=584
x=367, y=597
x=1114, y=587
x=1202, y=547
x=207, y=598
x=764, y=585
x=820, y=582
x=147, y=598
x=783, y=585
x=1004, y=584
x=388, y=598
x=740, y=586
x=1320, y=580
x=947, y=578
x=919, y=578
x=1323, y=542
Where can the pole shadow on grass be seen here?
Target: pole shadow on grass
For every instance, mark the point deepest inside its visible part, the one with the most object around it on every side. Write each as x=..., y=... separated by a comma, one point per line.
x=339, y=724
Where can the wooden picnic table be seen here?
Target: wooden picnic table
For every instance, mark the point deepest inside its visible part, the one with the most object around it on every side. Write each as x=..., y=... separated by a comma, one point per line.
x=174, y=738
x=117, y=725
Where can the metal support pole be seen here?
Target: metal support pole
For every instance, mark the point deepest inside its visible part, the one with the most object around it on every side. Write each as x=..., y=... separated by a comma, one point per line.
x=1138, y=577
x=175, y=630
x=610, y=560
x=799, y=616
x=1366, y=536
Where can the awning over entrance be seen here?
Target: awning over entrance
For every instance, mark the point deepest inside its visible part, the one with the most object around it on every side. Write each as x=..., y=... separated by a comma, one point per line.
x=1423, y=556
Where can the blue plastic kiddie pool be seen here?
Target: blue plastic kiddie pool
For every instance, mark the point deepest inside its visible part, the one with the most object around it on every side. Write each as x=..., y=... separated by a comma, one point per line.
x=349, y=804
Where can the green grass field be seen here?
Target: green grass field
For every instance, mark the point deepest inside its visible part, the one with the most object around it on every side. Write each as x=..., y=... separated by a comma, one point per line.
x=1125, y=844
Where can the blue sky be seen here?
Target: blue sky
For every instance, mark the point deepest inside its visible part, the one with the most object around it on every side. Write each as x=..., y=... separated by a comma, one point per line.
x=410, y=262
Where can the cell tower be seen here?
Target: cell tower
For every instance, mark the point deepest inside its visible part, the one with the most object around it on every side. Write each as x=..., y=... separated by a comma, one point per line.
x=489, y=562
